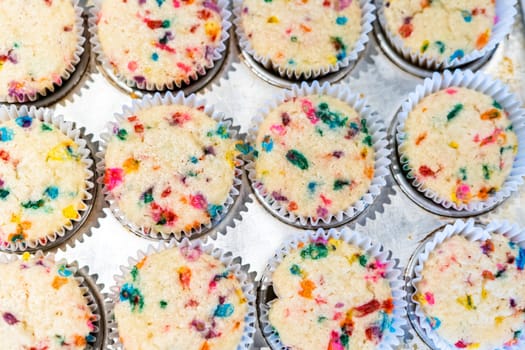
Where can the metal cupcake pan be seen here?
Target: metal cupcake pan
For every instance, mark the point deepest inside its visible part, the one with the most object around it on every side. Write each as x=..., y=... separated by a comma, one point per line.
x=400, y=219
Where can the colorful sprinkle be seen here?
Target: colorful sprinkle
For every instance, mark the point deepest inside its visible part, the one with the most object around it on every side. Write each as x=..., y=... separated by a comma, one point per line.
x=457, y=54
x=466, y=302
x=341, y=20
x=64, y=271
x=455, y=111
x=491, y=114
x=6, y=134
x=113, y=177
x=184, y=276
x=314, y=251
x=9, y=318
x=367, y=308
x=267, y=143
x=122, y=134
x=163, y=304
x=467, y=16
x=406, y=30
x=297, y=158
x=434, y=322
x=441, y=46
x=147, y=196
x=51, y=192
x=131, y=294
x=223, y=310
x=483, y=39
x=70, y=212
x=339, y=184
x=4, y=193
x=424, y=46
x=307, y=287
x=24, y=121
x=520, y=259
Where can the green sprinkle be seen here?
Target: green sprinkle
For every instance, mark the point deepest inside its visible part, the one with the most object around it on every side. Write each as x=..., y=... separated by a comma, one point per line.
x=122, y=134
x=368, y=140
x=441, y=46
x=339, y=184
x=147, y=196
x=293, y=39
x=425, y=45
x=330, y=118
x=344, y=339
x=46, y=127
x=33, y=204
x=134, y=273
x=314, y=251
x=163, y=304
x=463, y=174
x=320, y=319
x=319, y=131
x=364, y=128
x=166, y=23
x=506, y=148
x=297, y=158
x=4, y=193
x=509, y=128
x=267, y=0
x=244, y=148
x=363, y=260
x=497, y=105
x=454, y=112
x=486, y=172
x=222, y=132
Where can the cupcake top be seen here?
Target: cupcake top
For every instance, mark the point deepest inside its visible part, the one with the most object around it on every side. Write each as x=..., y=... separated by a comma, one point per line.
x=314, y=156
x=38, y=44
x=42, y=307
x=331, y=295
x=459, y=144
x=180, y=298
x=442, y=30
x=482, y=304
x=305, y=35
x=159, y=43
x=42, y=180
x=170, y=168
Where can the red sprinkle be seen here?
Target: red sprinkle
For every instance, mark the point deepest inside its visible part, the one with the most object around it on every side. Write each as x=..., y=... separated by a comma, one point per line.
x=426, y=171
x=368, y=308
x=406, y=30
x=153, y=24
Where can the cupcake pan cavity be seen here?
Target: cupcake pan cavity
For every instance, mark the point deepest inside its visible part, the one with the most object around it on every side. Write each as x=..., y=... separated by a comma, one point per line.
x=393, y=219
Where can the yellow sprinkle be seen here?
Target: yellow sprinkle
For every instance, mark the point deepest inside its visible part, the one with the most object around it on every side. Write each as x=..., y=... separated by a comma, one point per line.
x=420, y=298
x=130, y=165
x=334, y=242
x=332, y=59
x=59, y=152
x=212, y=29
x=272, y=19
x=498, y=320
x=26, y=256
x=473, y=346
x=264, y=172
x=467, y=302
x=70, y=212
x=240, y=294
x=352, y=259
x=453, y=144
x=230, y=158
x=484, y=293
x=15, y=218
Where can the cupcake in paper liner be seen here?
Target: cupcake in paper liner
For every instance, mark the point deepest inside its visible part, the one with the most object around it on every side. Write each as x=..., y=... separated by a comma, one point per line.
x=45, y=178
x=159, y=45
x=334, y=290
x=482, y=304
x=170, y=166
x=460, y=140
x=444, y=34
x=184, y=295
x=318, y=155
x=308, y=38
x=46, y=305
x=40, y=44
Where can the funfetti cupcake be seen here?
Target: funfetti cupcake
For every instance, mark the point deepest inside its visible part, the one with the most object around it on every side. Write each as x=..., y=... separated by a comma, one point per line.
x=44, y=305
x=40, y=44
x=319, y=155
x=183, y=296
x=443, y=34
x=170, y=166
x=45, y=178
x=308, y=38
x=460, y=140
x=483, y=302
x=158, y=45
x=334, y=290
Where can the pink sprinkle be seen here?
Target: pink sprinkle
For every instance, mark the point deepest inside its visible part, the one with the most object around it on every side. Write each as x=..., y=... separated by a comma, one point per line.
x=132, y=65
x=176, y=4
x=463, y=192
x=198, y=201
x=496, y=19
x=191, y=254
x=429, y=297
x=113, y=177
x=308, y=109
x=322, y=212
x=184, y=67
x=278, y=129
x=339, y=305
x=451, y=91
x=165, y=48
x=337, y=316
x=335, y=343
x=344, y=4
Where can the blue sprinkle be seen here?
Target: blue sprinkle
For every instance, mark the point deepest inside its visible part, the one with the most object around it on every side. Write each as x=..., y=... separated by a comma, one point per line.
x=457, y=54
x=467, y=16
x=90, y=338
x=24, y=121
x=213, y=210
x=386, y=322
x=6, y=134
x=223, y=310
x=341, y=20
x=341, y=55
x=64, y=271
x=311, y=186
x=520, y=260
x=291, y=61
x=512, y=245
x=155, y=56
x=267, y=143
x=160, y=2
x=194, y=160
x=434, y=322
x=51, y=192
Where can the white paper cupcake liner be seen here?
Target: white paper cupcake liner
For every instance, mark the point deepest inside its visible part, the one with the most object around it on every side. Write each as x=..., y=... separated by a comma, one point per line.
x=200, y=71
x=169, y=99
x=367, y=17
x=68, y=129
x=89, y=288
x=486, y=85
x=379, y=143
x=233, y=264
x=505, y=12
x=79, y=50
x=471, y=232
x=391, y=339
